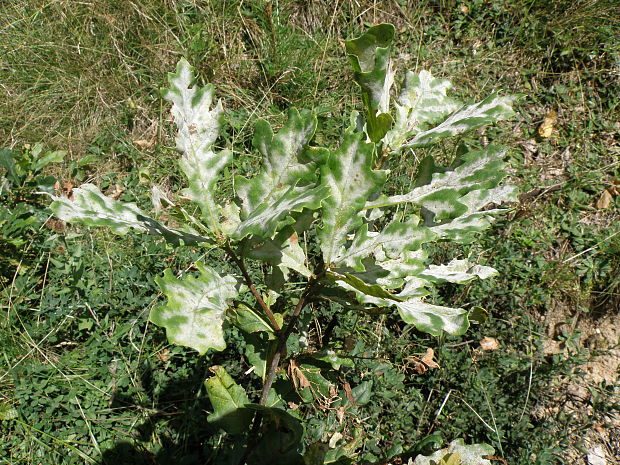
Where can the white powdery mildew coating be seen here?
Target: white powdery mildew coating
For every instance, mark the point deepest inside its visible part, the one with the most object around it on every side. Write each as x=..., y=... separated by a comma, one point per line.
x=467, y=454
x=393, y=241
x=458, y=271
x=194, y=313
x=90, y=204
x=454, y=179
x=422, y=100
x=282, y=167
x=419, y=313
x=351, y=181
x=458, y=122
x=203, y=322
x=198, y=128
x=293, y=199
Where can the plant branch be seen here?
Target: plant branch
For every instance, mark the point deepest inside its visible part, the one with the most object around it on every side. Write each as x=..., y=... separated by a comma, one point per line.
x=248, y=281
x=286, y=332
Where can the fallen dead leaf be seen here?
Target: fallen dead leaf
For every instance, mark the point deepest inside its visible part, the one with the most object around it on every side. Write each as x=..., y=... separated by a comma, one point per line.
x=116, y=193
x=297, y=376
x=427, y=359
x=546, y=128
x=421, y=365
x=143, y=143
x=163, y=355
x=604, y=200
x=489, y=343
x=348, y=392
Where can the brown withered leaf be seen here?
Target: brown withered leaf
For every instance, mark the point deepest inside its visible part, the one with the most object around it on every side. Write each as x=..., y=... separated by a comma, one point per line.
x=489, y=343
x=546, y=128
x=163, y=355
x=143, y=143
x=604, y=200
x=427, y=358
x=297, y=376
x=421, y=365
x=116, y=193
x=348, y=392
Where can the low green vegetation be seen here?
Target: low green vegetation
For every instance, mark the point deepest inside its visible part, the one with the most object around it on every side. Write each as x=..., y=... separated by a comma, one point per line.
x=84, y=376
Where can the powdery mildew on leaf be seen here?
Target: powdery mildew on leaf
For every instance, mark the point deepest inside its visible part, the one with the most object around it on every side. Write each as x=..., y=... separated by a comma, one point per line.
x=470, y=117
x=350, y=180
x=268, y=217
x=198, y=127
x=423, y=101
x=194, y=313
x=472, y=454
x=457, y=271
x=91, y=208
x=394, y=240
x=433, y=319
x=285, y=162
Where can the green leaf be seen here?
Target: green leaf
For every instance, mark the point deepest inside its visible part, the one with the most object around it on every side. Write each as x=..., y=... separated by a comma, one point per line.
x=350, y=181
x=198, y=128
x=48, y=157
x=372, y=290
x=91, y=208
x=249, y=321
x=229, y=402
x=194, y=313
x=7, y=161
x=287, y=162
x=281, y=438
x=331, y=357
x=457, y=271
x=472, y=454
x=283, y=252
x=258, y=349
x=369, y=56
x=433, y=319
x=422, y=102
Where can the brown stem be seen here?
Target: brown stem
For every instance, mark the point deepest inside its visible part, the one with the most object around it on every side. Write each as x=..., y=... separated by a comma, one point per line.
x=384, y=156
x=275, y=360
x=248, y=281
x=286, y=332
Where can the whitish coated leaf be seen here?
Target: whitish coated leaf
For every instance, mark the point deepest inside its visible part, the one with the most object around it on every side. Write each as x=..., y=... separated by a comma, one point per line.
x=444, y=195
x=462, y=228
x=91, y=208
x=423, y=101
x=229, y=402
x=198, y=128
x=467, y=118
x=350, y=181
x=457, y=271
x=472, y=454
x=194, y=313
x=369, y=56
x=395, y=239
x=433, y=319
x=286, y=162
x=271, y=216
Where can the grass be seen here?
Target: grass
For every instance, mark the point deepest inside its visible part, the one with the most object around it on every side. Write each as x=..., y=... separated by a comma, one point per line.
x=84, y=379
